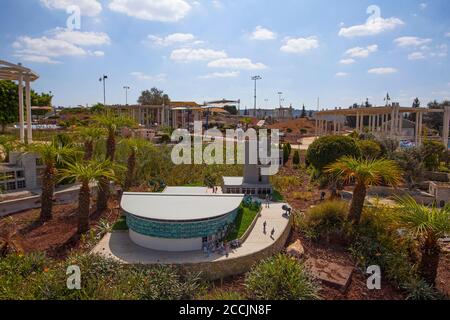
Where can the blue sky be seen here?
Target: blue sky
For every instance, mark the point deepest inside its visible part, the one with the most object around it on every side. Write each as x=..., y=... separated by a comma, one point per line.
x=204, y=49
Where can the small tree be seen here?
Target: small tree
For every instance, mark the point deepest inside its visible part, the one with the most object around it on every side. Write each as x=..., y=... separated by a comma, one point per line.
x=327, y=150
x=135, y=147
x=296, y=159
x=112, y=123
x=153, y=97
x=433, y=152
x=426, y=225
x=9, y=103
x=89, y=136
x=369, y=149
x=87, y=173
x=51, y=154
x=364, y=173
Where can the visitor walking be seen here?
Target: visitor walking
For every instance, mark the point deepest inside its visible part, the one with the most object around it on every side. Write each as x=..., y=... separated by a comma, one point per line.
x=265, y=227
x=267, y=201
x=272, y=233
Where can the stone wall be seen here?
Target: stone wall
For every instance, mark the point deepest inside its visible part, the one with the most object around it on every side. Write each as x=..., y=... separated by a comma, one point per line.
x=437, y=176
x=18, y=205
x=229, y=267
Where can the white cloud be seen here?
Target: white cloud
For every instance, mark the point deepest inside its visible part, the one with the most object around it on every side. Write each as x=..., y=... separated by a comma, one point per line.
x=58, y=43
x=226, y=74
x=416, y=56
x=300, y=45
x=190, y=54
x=382, y=71
x=342, y=74
x=88, y=8
x=218, y=4
x=152, y=10
x=411, y=41
x=236, y=63
x=98, y=53
x=423, y=5
x=347, y=61
x=262, y=33
x=360, y=52
x=145, y=77
x=171, y=39
x=81, y=38
x=371, y=27
x=447, y=34
x=46, y=47
x=36, y=58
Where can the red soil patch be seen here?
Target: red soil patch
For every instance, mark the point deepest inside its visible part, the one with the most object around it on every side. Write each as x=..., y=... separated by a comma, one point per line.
x=58, y=236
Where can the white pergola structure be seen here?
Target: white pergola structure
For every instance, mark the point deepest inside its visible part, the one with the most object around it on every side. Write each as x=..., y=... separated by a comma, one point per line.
x=382, y=121
x=17, y=72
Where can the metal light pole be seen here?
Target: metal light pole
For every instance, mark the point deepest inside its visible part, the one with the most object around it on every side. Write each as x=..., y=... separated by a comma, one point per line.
x=126, y=94
x=103, y=79
x=256, y=78
x=280, y=94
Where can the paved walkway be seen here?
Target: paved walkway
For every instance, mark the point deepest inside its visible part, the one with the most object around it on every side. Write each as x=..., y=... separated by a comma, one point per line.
x=118, y=245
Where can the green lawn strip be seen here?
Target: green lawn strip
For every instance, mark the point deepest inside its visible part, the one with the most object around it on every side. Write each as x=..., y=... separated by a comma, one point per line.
x=243, y=221
x=121, y=224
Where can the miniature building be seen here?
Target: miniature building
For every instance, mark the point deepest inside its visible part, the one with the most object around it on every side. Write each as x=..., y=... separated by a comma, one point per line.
x=176, y=115
x=441, y=193
x=21, y=173
x=179, y=219
x=253, y=182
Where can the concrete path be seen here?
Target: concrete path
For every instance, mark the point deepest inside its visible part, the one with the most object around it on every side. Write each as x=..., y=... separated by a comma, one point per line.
x=118, y=245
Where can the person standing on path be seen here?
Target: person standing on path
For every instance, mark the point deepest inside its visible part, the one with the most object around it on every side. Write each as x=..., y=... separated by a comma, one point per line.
x=265, y=227
x=272, y=233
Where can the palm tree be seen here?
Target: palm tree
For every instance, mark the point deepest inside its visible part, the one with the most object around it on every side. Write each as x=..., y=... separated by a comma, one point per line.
x=112, y=123
x=86, y=173
x=89, y=136
x=51, y=154
x=427, y=225
x=135, y=147
x=364, y=173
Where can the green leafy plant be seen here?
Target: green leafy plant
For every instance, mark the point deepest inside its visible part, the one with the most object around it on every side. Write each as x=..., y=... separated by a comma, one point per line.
x=281, y=278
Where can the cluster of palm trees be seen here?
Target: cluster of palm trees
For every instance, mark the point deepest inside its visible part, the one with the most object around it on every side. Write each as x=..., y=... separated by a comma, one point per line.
x=424, y=224
x=67, y=161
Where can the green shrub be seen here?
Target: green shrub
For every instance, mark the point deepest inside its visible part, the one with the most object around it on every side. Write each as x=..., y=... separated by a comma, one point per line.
x=419, y=289
x=326, y=219
x=296, y=159
x=369, y=149
x=281, y=278
x=223, y=295
x=34, y=277
x=376, y=241
x=327, y=150
x=433, y=153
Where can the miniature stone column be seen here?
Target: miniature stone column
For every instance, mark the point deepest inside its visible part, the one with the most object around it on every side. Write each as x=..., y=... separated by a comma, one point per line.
x=21, y=110
x=28, y=102
x=446, y=128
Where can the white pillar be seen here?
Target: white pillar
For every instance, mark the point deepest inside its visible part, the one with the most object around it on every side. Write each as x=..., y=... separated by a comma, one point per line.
x=400, y=126
x=392, y=131
x=28, y=101
x=420, y=128
x=446, y=127
x=21, y=111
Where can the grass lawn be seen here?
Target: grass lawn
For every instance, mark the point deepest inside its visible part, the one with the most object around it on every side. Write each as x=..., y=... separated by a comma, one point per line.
x=121, y=224
x=243, y=221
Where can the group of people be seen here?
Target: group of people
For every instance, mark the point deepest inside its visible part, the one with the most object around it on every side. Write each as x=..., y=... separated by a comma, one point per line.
x=220, y=247
x=272, y=233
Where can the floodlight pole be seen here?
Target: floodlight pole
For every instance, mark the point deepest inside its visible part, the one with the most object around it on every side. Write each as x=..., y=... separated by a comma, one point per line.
x=126, y=94
x=256, y=78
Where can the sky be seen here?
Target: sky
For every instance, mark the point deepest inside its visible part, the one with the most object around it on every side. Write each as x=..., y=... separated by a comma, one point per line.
x=342, y=51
